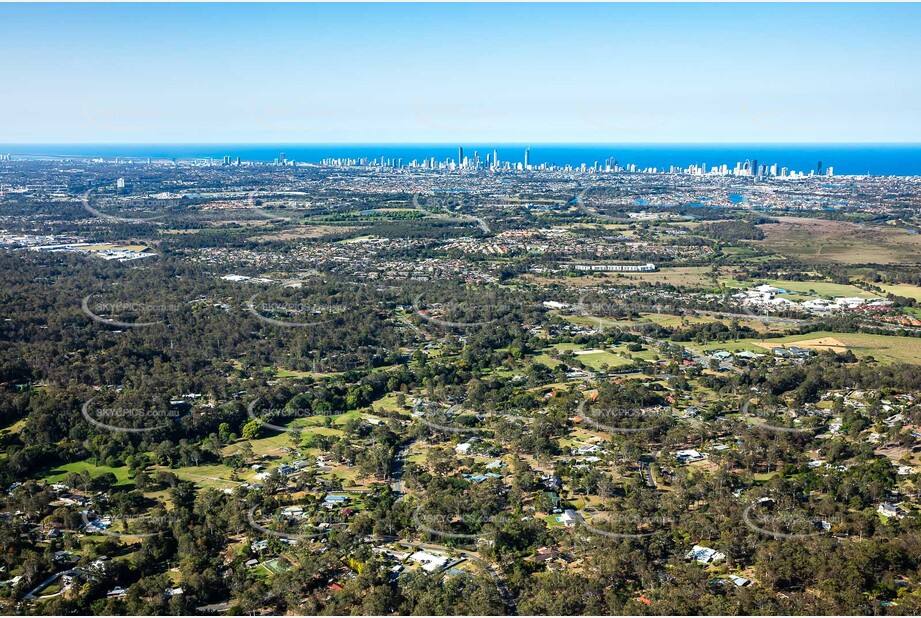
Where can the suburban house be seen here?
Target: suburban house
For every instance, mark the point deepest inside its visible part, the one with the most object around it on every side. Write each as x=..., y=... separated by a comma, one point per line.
x=705, y=555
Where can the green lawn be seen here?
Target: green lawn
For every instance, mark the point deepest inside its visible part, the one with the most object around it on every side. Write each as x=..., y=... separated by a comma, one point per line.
x=547, y=360
x=730, y=346
x=217, y=475
x=15, y=427
x=59, y=473
x=593, y=358
x=389, y=403
x=885, y=348
x=805, y=288
x=903, y=289
x=584, y=320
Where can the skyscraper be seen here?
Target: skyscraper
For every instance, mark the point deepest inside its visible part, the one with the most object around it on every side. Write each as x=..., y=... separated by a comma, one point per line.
x=527, y=157
x=460, y=156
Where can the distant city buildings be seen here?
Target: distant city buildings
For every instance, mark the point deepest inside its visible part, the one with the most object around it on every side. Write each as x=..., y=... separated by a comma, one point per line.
x=749, y=168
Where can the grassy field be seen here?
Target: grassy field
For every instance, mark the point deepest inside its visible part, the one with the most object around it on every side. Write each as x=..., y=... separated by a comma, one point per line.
x=672, y=321
x=806, y=288
x=595, y=322
x=305, y=231
x=743, y=345
x=14, y=428
x=885, y=348
x=903, y=289
x=682, y=277
x=596, y=358
x=216, y=476
x=693, y=277
x=547, y=360
x=388, y=403
x=59, y=473
x=840, y=242
x=592, y=358
x=822, y=288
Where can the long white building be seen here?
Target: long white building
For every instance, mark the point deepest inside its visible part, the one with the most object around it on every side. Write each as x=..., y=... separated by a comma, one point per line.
x=617, y=268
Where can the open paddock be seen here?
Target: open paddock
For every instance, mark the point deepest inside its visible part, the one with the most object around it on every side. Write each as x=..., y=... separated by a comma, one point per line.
x=839, y=242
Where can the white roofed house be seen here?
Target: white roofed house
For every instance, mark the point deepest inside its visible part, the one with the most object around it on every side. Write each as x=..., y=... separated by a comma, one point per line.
x=463, y=448
x=739, y=581
x=570, y=518
x=705, y=555
x=429, y=562
x=888, y=509
x=689, y=455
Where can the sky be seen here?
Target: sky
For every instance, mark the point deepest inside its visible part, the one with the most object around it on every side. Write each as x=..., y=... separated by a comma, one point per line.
x=446, y=73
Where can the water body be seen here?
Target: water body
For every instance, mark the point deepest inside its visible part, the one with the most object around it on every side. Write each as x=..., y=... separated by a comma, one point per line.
x=877, y=159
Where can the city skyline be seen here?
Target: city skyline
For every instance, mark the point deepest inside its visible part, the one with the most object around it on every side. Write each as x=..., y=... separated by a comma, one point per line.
x=787, y=160
x=819, y=73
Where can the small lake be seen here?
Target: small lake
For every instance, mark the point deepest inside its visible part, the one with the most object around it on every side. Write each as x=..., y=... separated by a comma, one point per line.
x=737, y=198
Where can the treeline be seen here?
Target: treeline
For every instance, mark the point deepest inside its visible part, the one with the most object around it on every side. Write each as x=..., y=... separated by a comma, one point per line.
x=730, y=232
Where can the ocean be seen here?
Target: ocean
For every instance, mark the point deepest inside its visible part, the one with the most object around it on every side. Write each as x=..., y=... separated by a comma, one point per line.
x=876, y=159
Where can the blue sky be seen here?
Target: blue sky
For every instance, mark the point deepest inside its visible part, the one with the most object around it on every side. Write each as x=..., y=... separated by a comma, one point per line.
x=286, y=73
